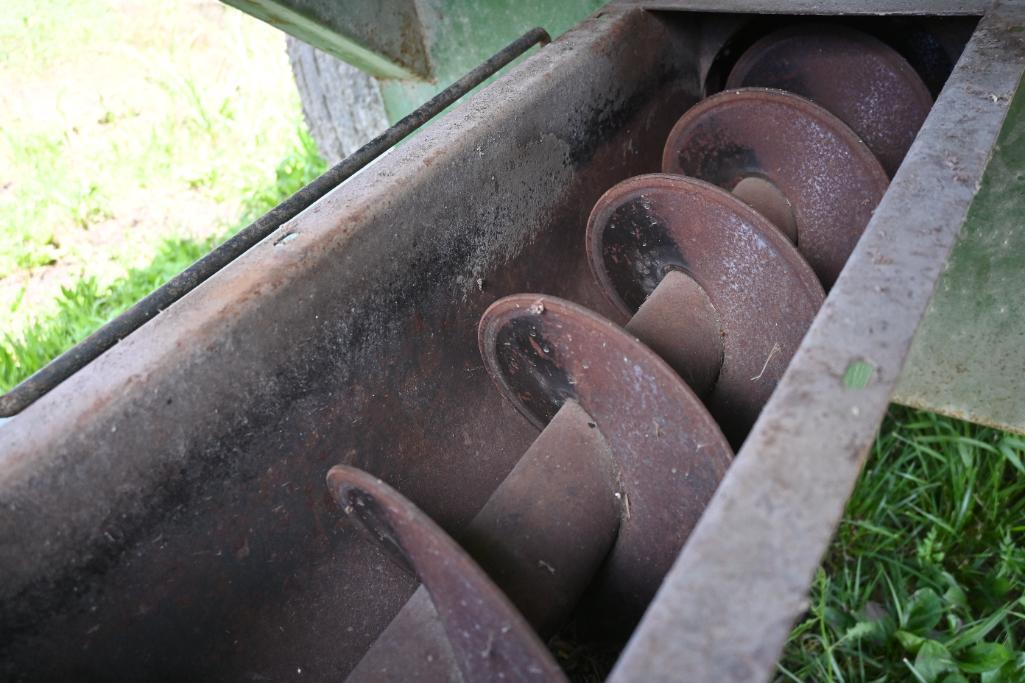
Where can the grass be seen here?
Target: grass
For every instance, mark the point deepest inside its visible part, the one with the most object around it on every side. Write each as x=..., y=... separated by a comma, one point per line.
x=923, y=582
x=133, y=137
x=127, y=125
x=86, y=305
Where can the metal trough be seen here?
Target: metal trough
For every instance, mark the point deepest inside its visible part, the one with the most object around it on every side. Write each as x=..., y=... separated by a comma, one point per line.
x=164, y=514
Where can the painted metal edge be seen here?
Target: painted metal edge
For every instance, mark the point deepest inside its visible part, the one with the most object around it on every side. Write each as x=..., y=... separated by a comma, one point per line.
x=724, y=611
x=821, y=7
x=385, y=40
x=459, y=33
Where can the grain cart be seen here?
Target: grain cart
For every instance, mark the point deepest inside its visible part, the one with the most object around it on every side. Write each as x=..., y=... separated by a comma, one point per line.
x=599, y=354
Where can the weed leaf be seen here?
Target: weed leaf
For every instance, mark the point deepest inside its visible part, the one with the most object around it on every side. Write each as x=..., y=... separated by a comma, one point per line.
x=1011, y=672
x=933, y=659
x=954, y=677
x=863, y=629
x=924, y=611
x=909, y=641
x=984, y=657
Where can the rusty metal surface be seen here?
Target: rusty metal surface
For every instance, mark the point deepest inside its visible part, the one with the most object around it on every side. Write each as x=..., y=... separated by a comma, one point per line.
x=830, y=179
x=720, y=619
x=549, y=526
x=542, y=351
x=413, y=646
x=540, y=537
x=763, y=291
x=490, y=640
x=856, y=77
x=679, y=323
x=930, y=43
x=162, y=512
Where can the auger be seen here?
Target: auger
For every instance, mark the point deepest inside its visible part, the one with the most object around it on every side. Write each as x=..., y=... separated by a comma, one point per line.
x=721, y=259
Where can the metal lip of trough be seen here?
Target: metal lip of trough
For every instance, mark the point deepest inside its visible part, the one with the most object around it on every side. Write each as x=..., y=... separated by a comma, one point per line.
x=821, y=7
x=724, y=610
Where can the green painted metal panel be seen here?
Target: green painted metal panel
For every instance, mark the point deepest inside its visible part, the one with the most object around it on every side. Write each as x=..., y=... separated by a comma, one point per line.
x=968, y=357
x=461, y=34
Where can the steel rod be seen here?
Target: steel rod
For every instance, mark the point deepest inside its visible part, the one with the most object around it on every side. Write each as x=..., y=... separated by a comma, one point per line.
x=74, y=359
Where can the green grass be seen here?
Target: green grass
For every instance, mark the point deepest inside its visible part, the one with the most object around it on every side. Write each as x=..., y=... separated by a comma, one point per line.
x=924, y=579
x=38, y=33
x=125, y=127
x=133, y=137
x=86, y=305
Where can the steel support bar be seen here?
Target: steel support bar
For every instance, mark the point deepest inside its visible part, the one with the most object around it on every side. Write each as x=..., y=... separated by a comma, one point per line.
x=724, y=611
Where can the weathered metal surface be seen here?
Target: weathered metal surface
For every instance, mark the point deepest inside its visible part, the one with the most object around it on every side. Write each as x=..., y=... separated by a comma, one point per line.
x=764, y=293
x=549, y=526
x=77, y=357
x=162, y=512
x=930, y=43
x=830, y=179
x=490, y=640
x=414, y=646
x=556, y=518
x=540, y=537
x=726, y=607
x=968, y=356
x=387, y=39
x=670, y=455
x=679, y=323
x=764, y=197
x=858, y=78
